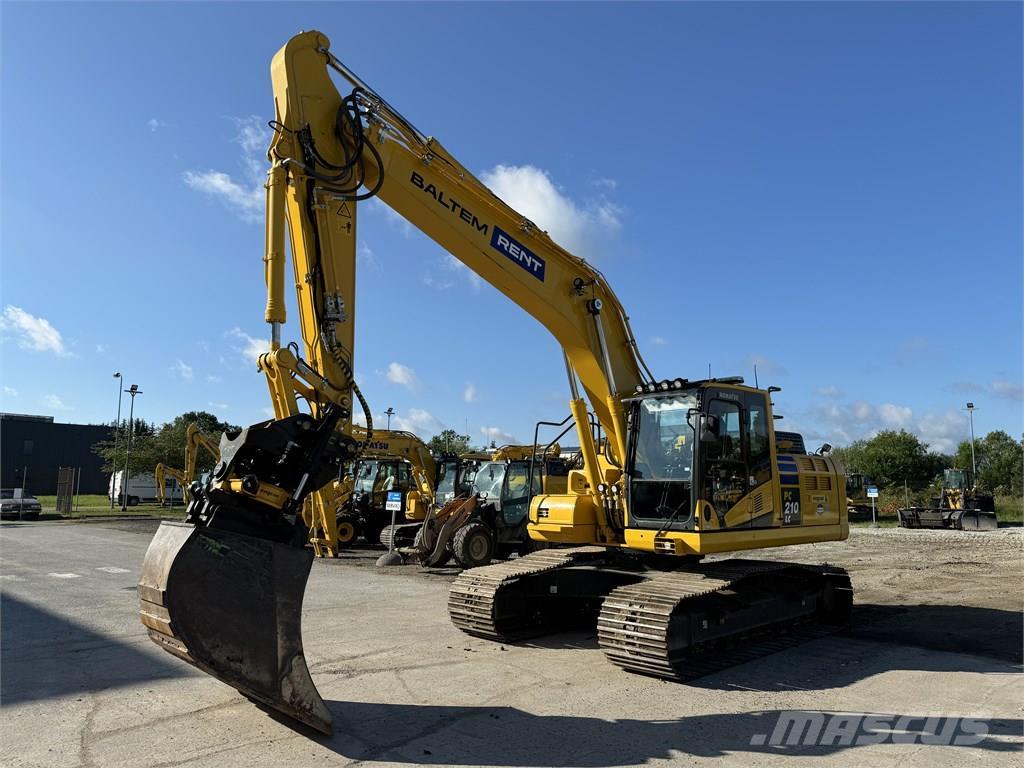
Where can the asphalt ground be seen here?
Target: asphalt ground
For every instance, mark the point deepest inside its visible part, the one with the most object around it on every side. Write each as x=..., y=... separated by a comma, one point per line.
x=936, y=633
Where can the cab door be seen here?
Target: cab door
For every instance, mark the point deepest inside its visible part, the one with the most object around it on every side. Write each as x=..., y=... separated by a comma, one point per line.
x=724, y=475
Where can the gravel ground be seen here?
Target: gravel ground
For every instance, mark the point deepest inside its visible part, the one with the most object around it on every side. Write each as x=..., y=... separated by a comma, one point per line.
x=936, y=633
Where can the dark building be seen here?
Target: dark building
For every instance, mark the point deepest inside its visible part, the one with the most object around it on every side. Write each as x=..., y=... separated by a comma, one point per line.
x=37, y=447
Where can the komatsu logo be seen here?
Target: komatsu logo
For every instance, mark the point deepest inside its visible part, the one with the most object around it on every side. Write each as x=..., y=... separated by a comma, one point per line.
x=517, y=252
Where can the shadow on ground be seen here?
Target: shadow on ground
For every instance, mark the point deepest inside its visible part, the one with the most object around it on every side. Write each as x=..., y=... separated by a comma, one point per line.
x=505, y=736
x=45, y=655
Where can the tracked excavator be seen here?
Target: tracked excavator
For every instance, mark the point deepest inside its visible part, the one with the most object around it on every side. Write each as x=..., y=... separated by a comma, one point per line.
x=687, y=468
x=393, y=461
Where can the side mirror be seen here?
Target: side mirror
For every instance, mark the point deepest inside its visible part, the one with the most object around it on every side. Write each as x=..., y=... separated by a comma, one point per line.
x=825, y=449
x=709, y=428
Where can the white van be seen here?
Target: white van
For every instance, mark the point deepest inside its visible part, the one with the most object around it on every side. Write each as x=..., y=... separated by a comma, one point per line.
x=142, y=488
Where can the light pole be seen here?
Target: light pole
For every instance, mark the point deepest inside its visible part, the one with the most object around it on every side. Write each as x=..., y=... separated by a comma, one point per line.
x=133, y=390
x=117, y=429
x=974, y=466
x=389, y=413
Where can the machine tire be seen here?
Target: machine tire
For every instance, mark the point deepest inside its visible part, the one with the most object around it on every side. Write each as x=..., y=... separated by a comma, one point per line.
x=473, y=545
x=348, y=530
x=30, y=516
x=447, y=550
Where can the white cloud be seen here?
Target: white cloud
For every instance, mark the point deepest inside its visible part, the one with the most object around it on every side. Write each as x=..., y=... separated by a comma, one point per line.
x=155, y=124
x=497, y=435
x=605, y=183
x=417, y=421
x=942, y=431
x=10, y=391
x=245, y=196
x=842, y=423
x=449, y=264
x=217, y=406
x=55, y=403
x=531, y=192
x=100, y=349
x=182, y=369
x=395, y=219
x=268, y=411
x=366, y=258
x=251, y=347
x=831, y=391
x=32, y=332
x=469, y=393
x=1011, y=390
x=659, y=341
x=214, y=379
x=895, y=416
x=246, y=201
x=403, y=375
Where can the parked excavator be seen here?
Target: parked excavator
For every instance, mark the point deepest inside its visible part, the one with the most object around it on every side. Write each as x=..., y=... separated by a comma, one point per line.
x=194, y=440
x=687, y=468
x=393, y=461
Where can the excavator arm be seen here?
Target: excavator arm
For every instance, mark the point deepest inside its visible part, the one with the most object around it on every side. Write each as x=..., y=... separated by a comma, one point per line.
x=331, y=151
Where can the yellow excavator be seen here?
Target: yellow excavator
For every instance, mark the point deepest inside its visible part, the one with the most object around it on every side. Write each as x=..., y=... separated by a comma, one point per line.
x=681, y=469
x=392, y=462
x=194, y=440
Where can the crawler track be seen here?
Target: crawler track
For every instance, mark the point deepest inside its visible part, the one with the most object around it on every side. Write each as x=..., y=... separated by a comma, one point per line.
x=677, y=625
x=488, y=602
x=686, y=624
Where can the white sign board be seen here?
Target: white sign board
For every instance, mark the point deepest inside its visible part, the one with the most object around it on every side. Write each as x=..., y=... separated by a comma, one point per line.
x=872, y=492
x=394, y=502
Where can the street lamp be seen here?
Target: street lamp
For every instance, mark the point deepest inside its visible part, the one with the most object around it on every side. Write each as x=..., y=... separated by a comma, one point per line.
x=117, y=429
x=133, y=390
x=389, y=413
x=974, y=466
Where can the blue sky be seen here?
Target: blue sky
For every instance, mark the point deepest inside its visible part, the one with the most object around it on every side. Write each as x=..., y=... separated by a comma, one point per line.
x=830, y=191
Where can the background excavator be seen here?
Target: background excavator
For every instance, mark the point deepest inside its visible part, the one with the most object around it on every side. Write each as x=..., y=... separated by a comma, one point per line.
x=393, y=461
x=687, y=468
x=194, y=440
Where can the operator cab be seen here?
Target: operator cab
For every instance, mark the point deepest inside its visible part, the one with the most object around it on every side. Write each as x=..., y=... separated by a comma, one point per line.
x=707, y=441
x=508, y=488
x=374, y=478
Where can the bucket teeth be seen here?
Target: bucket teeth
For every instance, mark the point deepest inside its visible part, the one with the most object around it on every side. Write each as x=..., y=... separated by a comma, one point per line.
x=231, y=606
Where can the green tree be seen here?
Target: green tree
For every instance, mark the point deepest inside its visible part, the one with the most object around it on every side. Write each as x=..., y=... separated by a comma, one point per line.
x=1000, y=461
x=890, y=458
x=139, y=433
x=449, y=441
x=150, y=446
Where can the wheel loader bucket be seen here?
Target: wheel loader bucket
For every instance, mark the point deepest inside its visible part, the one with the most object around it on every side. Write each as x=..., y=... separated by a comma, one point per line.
x=976, y=520
x=231, y=605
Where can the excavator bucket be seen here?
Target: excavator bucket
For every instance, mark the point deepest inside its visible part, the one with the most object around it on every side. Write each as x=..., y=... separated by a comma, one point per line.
x=231, y=605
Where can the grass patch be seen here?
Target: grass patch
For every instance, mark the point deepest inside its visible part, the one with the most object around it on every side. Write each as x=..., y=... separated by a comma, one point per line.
x=98, y=505
x=1009, y=510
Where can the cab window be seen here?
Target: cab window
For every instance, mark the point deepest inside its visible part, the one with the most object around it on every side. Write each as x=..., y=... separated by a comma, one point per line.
x=759, y=456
